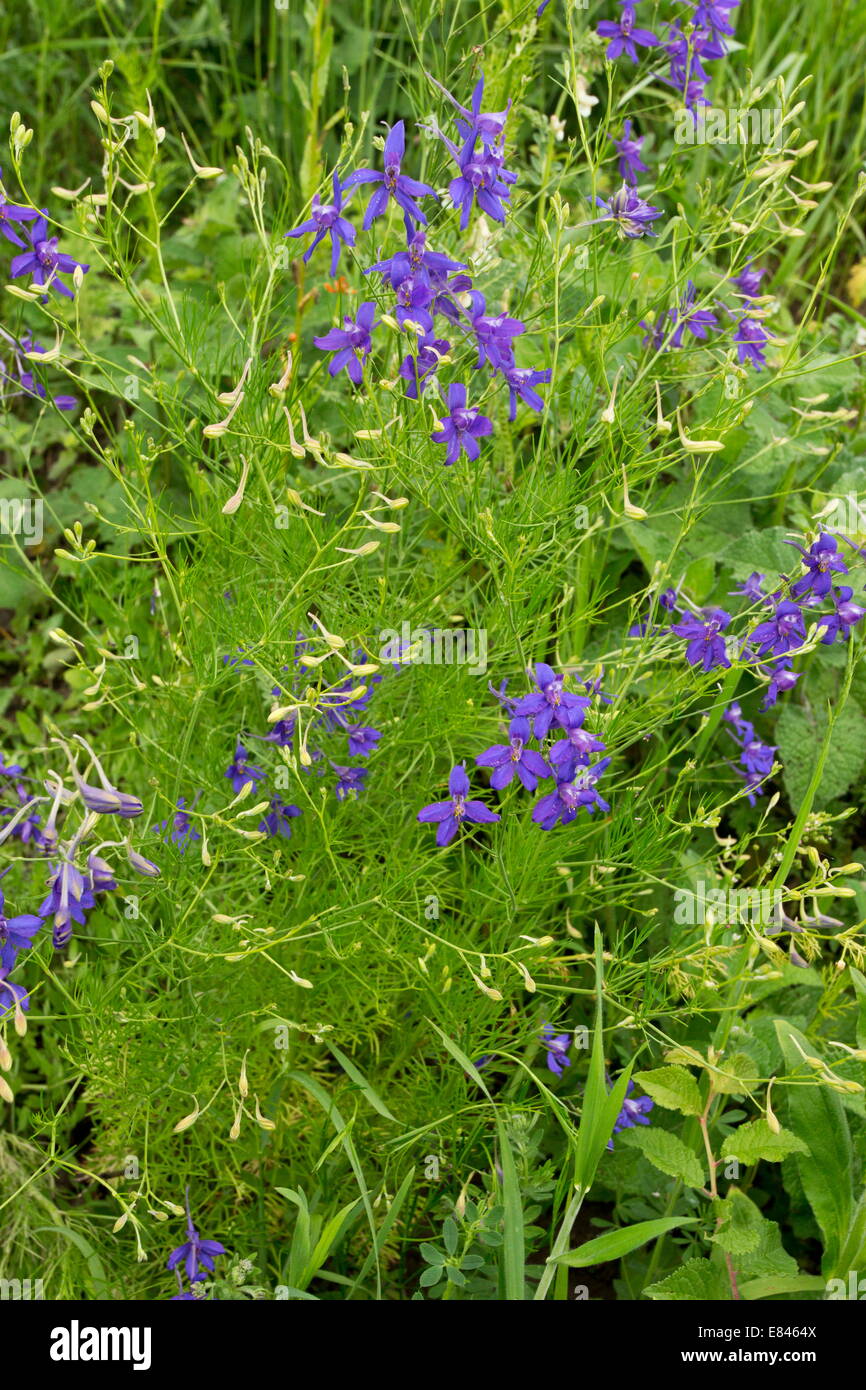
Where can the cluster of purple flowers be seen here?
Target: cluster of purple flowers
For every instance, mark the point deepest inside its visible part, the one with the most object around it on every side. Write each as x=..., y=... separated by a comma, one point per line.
x=557, y=1047
x=776, y=640
x=554, y=716
x=40, y=258
x=686, y=52
x=241, y=773
x=426, y=283
x=341, y=709
x=16, y=376
x=750, y=336
x=771, y=644
x=195, y=1257
x=73, y=885
x=705, y=41
x=182, y=832
x=756, y=758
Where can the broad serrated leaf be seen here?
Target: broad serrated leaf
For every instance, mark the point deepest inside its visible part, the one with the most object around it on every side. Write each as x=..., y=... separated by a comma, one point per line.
x=800, y=733
x=735, y=1075
x=769, y=1259
x=697, y=1281
x=740, y=1224
x=753, y=1242
x=674, y=1088
x=666, y=1152
x=755, y=1141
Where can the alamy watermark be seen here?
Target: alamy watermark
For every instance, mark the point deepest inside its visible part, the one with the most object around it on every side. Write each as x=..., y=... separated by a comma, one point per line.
x=22, y=516
x=760, y=907
x=730, y=125
x=852, y=1288
x=26, y=1289
x=435, y=646
x=846, y=515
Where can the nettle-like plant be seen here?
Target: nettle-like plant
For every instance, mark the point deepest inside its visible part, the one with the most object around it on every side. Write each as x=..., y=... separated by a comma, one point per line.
x=489, y=381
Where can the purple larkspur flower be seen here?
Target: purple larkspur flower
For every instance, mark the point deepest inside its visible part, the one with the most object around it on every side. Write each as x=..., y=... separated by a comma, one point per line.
x=240, y=771
x=237, y=658
x=748, y=282
x=633, y=215
x=706, y=646
x=392, y=183
x=196, y=1255
x=352, y=343
x=752, y=588
x=68, y=899
x=782, y=679
x=551, y=703
x=633, y=1112
x=23, y=381
x=822, y=561
x=628, y=151
x=573, y=751
x=183, y=832
x=655, y=334
x=713, y=14
x=16, y=934
x=487, y=126
x=556, y=1046
x=845, y=614
x=362, y=741
x=483, y=180
x=43, y=260
x=282, y=732
x=277, y=820
x=570, y=796
x=105, y=799
x=13, y=214
x=27, y=830
x=326, y=219
x=12, y=997
x=420, y=267
x=108, y=801
x=350, y=781
x=499, y=693
x=514, y=759
x=145, y=867
x=624, y=35
x=414, y=297
x=100, y=875
x=417, y=368
x=415, y=260
x=756, y=757
x=783, y=633
x=686, y=316
x=522, y=382
x=462, y=427
x=687, y=54
x=448, y=816
x=494, y=333
x=751, y=340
